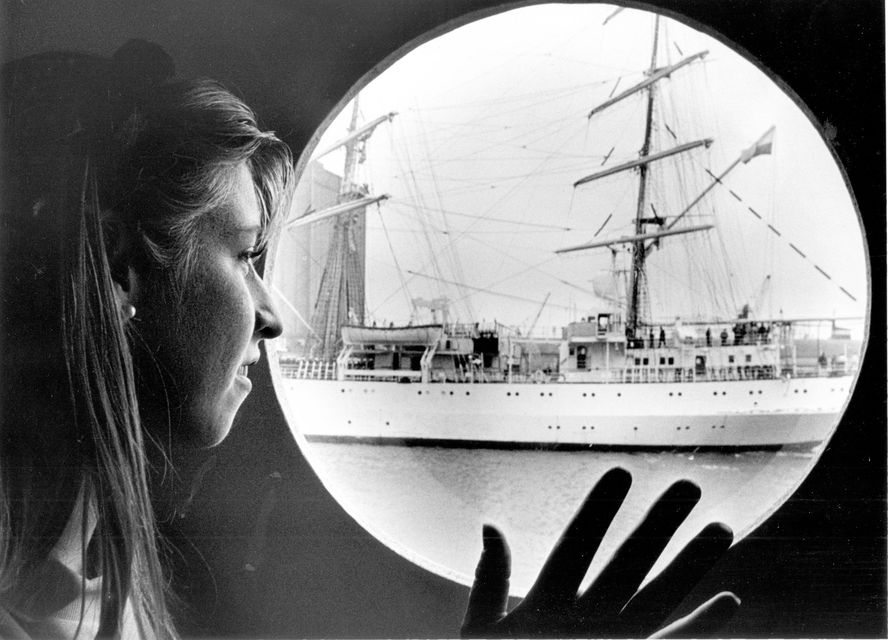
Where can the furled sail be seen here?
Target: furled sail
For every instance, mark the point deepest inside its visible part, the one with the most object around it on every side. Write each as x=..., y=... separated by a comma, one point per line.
x=655, y=77
x=635, y=238
x=336, y=210
x=706, y=142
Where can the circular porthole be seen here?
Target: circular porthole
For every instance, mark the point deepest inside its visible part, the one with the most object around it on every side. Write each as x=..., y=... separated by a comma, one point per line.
x=581, y=198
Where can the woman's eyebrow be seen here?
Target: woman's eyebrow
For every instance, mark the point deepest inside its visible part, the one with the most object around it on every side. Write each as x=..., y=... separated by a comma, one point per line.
x=251, y=230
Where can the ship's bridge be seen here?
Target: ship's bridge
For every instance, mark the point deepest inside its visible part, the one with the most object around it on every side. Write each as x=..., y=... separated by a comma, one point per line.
x=603, y=327
x=596, y=343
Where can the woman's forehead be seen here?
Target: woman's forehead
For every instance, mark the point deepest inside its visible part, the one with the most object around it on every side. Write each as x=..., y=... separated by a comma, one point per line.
x=240, y=212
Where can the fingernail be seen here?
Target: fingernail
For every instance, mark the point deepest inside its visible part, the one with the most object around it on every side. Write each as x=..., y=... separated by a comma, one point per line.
x=727, y=601
x=719, y=530
x=685, y=490
x=620, y=476
x=488, y=532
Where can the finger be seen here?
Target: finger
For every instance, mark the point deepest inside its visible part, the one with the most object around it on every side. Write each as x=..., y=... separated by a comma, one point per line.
x=635, y=557
x=656, y=602
x=705, y=621
x=570, y=558
x=490, y=592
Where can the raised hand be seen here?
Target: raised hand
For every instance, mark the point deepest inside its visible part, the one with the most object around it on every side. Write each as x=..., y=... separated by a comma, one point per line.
x=612, y=606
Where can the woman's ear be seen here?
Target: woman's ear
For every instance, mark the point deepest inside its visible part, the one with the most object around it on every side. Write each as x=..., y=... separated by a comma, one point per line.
x=126, y=290
x=124, y=276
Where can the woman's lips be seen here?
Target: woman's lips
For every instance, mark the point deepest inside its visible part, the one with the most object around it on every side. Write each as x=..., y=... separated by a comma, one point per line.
x=243, y=379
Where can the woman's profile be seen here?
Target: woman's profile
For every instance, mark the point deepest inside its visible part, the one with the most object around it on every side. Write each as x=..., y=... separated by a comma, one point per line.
x=135, y=209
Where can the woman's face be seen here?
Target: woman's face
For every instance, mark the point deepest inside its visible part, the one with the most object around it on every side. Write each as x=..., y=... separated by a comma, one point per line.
x=195, y=375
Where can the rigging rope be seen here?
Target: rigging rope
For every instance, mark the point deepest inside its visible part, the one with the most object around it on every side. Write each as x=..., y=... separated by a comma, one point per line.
x=776, y=232
x=404, y=287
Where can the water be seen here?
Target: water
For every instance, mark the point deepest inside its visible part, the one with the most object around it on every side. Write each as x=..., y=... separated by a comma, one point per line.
x=429, y=504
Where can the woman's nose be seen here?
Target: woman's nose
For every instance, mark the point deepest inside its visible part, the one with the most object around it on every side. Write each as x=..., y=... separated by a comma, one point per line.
x=268, y=320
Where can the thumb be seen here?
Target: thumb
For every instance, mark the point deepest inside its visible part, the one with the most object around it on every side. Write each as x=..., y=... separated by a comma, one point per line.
x=706, y=620
x=490, y=593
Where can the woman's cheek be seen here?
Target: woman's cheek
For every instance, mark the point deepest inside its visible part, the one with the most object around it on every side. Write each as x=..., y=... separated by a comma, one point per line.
x=230, y=304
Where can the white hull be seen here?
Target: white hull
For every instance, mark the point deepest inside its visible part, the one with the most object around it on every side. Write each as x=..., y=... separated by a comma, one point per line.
x=733, y=414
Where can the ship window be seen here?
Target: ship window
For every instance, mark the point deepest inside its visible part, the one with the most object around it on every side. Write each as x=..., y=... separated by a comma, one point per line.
x=603, y=321
x=748, y=357
x=581, y=357
x=427, y=501
x=731, y=359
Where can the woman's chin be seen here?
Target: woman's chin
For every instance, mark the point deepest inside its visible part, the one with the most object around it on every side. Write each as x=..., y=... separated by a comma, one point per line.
x=212, y=425
x=215, y=433
x=205, y=430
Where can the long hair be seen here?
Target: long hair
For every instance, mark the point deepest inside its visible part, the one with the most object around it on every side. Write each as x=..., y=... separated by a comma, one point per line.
x=99, y=170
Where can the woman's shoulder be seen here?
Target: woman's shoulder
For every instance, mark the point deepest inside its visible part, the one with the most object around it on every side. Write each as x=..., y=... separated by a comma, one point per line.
x=55, y=599
x=52, y=602
x=10, y=629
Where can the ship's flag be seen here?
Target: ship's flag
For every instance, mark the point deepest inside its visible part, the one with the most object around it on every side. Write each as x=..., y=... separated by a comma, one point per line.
x=764, y=145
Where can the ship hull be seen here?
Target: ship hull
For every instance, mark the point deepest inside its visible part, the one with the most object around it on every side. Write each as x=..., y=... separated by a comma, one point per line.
x=762, y=414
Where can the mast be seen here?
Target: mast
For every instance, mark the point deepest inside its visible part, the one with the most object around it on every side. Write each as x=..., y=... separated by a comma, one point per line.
x=346, y=187
x=340, y=298
x=641, y=241
x=637, y=283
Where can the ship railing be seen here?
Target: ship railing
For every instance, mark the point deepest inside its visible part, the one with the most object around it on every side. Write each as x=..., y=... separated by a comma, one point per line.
x=644, y=375
x=358, y=369
x=740, y=372
x=691, y=374
x=467, y=375
x=383, y=375
x=819, y=371
x=464, y=329
x=730, y=341
x=308, y=369
x=641, y=375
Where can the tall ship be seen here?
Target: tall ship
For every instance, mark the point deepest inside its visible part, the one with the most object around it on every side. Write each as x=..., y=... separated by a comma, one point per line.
x=612, y=377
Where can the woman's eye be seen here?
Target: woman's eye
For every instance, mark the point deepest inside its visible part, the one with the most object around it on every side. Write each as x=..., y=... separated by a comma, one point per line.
x=252, y=256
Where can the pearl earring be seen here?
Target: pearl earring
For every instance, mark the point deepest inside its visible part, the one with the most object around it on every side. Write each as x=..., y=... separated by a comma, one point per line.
x=130, y=311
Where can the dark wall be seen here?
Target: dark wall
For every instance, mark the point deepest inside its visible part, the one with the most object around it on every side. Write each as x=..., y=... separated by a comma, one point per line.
x=816, y=568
